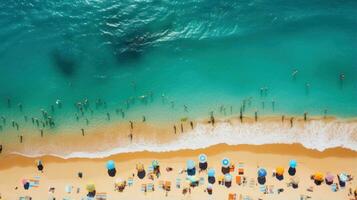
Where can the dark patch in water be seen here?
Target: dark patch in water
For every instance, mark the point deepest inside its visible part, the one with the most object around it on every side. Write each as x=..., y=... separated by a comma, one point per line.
x=64, y=61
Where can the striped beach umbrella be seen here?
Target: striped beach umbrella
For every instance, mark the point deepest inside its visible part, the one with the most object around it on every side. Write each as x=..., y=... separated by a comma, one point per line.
x=225, y=162
x=202, y=158
x=228, y=178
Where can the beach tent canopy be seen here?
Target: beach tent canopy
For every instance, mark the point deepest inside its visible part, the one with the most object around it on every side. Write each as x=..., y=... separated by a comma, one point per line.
x=329, y=177
x=279, y=170
x=292, y=163
x=155, y=163
x=227, y=177
x=202, y=158
x=110, y=165
x=226, y=162
x=90, y=187
x=343, y=177
x=211, y=172
x=190, y=164
x=318, y=176
x=262, y=172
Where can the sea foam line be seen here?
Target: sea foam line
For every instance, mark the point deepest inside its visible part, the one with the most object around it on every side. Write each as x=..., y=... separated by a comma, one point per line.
x=318, y=135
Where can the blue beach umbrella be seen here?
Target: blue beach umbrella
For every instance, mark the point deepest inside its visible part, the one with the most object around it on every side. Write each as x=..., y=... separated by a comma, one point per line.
x=190, y=164
x=225, y=162
x=202, y=158
x=110, y=165
x=293, y=163
x=211, y=172
x=262, y=172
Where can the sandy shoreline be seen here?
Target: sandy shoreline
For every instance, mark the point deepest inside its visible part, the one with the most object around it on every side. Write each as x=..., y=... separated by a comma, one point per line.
x=61, y=172
x=315, y=133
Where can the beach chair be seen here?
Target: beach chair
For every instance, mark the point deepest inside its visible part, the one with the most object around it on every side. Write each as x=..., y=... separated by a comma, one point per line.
x=101, y=196
x=161, y=185
x=143, y=188
x=232, y=196
x=231, y=168
x=240, y=171
x=334, y=187
x=178, y=183
x=150, y=187
x=238, y=180
x=34, y=183
x=262, y=188
x=202, y=181
x=130, y=181
x=68, y=189
x=167, y=185
x=150, y=169
x=252, y=183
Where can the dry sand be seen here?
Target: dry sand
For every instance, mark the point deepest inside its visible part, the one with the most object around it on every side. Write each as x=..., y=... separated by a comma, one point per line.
x=61, y=172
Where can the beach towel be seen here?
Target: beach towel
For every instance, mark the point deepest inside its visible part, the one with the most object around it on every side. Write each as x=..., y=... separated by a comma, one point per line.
x=178, y=183
x=68, y=189
x=262, y=188
x=25, y=198
x=238, y=180
x=150, y=187
x=334, y=187
x=130, y=181
x=34, y=183
x=232, y=196
x=101, y=196
x=202, y=181
x=143, y=187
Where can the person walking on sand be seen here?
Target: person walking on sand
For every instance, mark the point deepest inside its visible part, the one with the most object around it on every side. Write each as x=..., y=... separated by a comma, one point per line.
x=181, y=128
x=175, y=129
x=82, y=129
x=0, y=148
x=191, y=123
x=40, y=166
x=283, y=118
x=131, y=137
x=305, y=116
x=21, y=138
x=212, y=119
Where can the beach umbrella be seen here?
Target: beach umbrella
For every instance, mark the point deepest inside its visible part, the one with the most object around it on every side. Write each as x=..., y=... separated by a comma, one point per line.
x=190, y=164
x=318, y=176
x=279, y=170
x=110, y=165
x=262, y=172
x=225, y=162
x=329, y=177
x=155, y=163
x=140, y=167
x=119, y=182
x=292, y=163
x=202, y=158
x=90, y=187
x=209, y=186
x=24, y=181
x=211, y=172
x=228, y=178
x=343, y=177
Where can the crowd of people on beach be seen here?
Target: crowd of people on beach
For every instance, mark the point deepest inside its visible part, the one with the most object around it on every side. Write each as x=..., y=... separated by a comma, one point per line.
x=203, y=176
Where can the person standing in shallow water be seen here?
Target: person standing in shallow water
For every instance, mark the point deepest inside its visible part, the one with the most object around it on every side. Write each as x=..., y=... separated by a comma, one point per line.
x=191, y=123
x=291, y=122
x=0, y=148
x=175, y=129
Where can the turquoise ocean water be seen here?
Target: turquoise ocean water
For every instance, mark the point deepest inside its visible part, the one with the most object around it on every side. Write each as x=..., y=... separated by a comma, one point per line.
x=209, y=55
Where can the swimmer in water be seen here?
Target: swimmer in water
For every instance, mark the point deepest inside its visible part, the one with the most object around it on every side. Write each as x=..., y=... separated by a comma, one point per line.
x=294, y=73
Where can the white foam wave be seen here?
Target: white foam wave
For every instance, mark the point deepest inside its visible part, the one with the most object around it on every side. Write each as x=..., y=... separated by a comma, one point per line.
x=317, y=135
